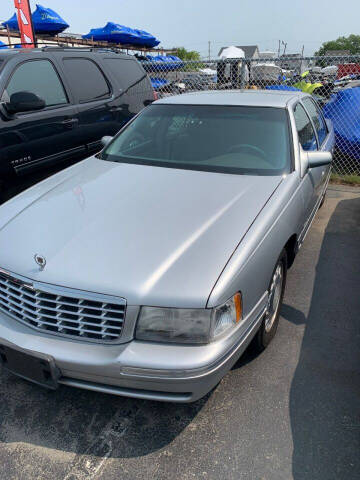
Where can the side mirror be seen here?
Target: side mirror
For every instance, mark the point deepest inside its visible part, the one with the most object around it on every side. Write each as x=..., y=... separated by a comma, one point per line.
x=148, y=102
x=319, y=159
x=24, y=102
x=313, y=159
x=106, y=140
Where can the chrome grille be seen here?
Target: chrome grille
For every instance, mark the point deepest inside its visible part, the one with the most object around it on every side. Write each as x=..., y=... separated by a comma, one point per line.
x=62, y=311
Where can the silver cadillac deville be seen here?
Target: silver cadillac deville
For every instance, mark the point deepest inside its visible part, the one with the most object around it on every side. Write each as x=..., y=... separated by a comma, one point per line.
x=147, y=270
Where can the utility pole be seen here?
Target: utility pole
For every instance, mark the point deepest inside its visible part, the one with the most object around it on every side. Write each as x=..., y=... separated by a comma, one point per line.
x=209, y=50
x=285, y=45
x=302, y=60
x=279, y=49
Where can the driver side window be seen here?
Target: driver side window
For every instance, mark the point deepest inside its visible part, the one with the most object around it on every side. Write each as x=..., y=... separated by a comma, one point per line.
x=306, y=132
x=38, y=77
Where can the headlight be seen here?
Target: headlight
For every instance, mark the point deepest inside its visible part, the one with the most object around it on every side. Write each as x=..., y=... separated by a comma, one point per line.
x=185, y=325
x=227, y=316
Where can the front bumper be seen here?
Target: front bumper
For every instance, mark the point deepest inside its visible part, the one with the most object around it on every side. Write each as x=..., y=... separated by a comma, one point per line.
x=164, y=372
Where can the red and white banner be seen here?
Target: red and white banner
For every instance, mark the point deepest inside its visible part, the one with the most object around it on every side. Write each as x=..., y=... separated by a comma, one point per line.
x=23, y=12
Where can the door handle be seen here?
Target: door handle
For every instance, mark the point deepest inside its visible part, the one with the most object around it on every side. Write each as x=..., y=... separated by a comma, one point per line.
x=70, y=122
x=115, y=109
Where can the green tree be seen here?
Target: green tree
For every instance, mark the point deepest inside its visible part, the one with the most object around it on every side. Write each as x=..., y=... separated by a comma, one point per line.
x=187, y=55
x=350, y=43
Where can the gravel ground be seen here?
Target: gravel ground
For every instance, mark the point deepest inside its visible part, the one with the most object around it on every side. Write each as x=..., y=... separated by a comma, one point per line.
x=289, y=413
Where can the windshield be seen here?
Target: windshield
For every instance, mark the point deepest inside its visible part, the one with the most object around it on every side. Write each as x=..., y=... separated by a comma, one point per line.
x=226, y=139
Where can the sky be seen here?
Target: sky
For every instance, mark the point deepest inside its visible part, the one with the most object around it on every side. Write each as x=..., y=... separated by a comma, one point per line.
x=193, y=23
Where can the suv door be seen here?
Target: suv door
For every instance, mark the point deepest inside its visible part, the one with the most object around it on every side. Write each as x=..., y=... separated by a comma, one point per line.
x=96, y=104
x=134, y=83
x=29, y=140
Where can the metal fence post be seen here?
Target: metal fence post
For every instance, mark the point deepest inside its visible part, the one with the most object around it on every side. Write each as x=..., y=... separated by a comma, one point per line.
x=242, y=74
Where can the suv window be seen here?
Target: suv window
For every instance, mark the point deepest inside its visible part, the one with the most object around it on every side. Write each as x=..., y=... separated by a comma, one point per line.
x=128, y=72
x=38, y=77
x=306, y=132
x=86, y=79
x=317, y=118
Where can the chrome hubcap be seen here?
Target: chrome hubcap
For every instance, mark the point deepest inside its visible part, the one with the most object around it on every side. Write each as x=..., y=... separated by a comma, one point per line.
x=273, y=303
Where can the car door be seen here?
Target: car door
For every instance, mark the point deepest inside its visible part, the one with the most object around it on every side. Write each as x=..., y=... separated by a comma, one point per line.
x=30, y=140
x=312, y=178
x=321, y=174
x=96, y=104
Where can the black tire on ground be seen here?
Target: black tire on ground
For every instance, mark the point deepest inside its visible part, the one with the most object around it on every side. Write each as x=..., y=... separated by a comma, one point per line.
x=322, y=200
x=269, y=325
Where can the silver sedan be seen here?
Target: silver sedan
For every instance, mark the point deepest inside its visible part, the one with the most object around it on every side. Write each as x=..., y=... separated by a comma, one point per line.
x=146, y=271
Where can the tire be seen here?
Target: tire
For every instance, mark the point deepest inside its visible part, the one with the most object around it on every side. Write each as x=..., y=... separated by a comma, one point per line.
x=270, y=321
x=322, y=201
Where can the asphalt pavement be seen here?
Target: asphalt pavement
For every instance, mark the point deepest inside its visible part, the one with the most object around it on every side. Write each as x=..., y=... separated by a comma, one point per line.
x=291, y=413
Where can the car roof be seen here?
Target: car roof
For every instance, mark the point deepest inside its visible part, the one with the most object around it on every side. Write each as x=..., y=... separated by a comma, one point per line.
x=257, y=98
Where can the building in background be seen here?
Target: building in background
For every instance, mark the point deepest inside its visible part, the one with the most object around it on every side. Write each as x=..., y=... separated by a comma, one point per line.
x=267, y=54
x=337, y=53
x=294, y=61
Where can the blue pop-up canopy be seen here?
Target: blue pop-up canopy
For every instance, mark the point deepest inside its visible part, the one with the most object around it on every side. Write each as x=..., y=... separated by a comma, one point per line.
x=344, y=111
x=45, y=21
x=115, y=33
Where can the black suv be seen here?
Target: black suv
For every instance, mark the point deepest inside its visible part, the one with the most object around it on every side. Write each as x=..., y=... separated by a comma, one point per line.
x=57, y=103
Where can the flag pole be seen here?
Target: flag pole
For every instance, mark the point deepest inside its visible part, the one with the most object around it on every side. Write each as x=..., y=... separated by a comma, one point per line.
x=26, y=28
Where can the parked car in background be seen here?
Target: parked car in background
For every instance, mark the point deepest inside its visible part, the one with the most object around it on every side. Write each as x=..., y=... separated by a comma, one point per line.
x=57, y=103
x=145, y=271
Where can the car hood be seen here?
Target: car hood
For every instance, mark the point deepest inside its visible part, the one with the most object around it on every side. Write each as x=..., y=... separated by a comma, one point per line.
x=155, y=236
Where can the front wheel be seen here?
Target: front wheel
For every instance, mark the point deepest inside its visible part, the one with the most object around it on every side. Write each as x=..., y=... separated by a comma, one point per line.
x=322, y=200
x=276, y=293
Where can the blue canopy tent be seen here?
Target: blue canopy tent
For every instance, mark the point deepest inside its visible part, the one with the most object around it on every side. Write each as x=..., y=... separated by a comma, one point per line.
x=344, y=111
x=2, y=45
x=115, y=33
x=45, y=21
x=12, y=23
x=163, y=63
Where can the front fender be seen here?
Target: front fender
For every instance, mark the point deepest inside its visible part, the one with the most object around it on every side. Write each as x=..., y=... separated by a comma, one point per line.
x=250, y=268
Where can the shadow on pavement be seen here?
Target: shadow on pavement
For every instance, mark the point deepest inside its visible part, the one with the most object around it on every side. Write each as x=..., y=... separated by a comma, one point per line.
x=79, y=421
x=325, y=391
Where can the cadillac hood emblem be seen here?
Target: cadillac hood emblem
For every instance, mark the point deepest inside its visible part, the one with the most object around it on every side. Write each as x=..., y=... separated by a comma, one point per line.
x=40, y=260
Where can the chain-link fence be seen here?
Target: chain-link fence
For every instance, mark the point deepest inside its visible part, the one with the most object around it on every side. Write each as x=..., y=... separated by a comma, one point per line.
x=334, y=81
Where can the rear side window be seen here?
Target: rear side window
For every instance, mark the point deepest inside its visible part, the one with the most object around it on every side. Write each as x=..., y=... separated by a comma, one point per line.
x=128, y=72
x=306, y=133
x=86, y=79
x=38, y=77
x=317, y=119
